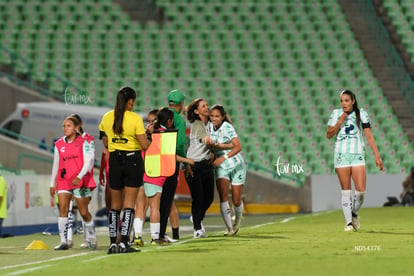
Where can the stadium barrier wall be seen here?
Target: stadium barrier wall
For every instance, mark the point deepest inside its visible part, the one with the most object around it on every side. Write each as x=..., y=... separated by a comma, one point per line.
x=12, y=94
x=326, y=191
x=30, y=208
x=13, y=151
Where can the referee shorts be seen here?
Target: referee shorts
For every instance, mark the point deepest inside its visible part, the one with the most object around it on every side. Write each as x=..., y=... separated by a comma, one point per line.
x=126, y=169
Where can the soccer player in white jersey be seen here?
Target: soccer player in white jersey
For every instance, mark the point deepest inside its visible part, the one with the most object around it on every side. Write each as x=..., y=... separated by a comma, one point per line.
x=349, y=124
x=229, y=165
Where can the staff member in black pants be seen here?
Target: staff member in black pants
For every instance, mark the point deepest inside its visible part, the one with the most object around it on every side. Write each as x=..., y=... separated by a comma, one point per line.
x=122, y=131
x=176, y=104
x=201, y=183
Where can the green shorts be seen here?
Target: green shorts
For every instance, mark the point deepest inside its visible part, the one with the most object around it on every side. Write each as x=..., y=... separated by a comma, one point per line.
x=79, y=193
x=236, y=175
x=342, y=160
x=151, y=189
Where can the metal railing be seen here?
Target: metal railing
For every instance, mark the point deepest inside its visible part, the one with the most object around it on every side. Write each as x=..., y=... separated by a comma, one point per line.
x=389, y=52
x=20, y=71
x=26, y=140
x=22, y=156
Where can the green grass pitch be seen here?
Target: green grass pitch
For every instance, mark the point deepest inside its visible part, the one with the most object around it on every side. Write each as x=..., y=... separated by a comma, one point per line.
x=304, y=244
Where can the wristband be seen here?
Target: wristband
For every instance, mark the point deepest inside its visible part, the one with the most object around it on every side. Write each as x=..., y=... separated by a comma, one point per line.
x=225, y=156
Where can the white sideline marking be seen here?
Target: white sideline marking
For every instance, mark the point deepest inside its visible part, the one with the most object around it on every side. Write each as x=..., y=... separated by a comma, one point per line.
x=95, y=259
x=44, y=261
x=260, y=225
x=322, y=212
x=28, y=270
x=287, y=219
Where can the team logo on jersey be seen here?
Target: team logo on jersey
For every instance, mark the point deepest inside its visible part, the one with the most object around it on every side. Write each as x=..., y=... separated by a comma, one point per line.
x=62, y=149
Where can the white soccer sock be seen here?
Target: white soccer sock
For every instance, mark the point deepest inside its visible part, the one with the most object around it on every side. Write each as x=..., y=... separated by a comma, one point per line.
x=347, y=205
x=226, y=214
x=70, y=225
x=138, y=225
x=155, y=230
x=238, y=211
x=84, y=230
x=69, y=233
x=89, y=231
x=62, y=224
x=358, y=200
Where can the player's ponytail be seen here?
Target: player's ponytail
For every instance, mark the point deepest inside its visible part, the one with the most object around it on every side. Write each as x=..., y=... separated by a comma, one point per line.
x=80, y=121
x=124, y=95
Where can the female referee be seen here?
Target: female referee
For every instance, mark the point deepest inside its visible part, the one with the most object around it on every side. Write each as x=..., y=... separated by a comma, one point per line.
x=123, y=131
x=346, y=124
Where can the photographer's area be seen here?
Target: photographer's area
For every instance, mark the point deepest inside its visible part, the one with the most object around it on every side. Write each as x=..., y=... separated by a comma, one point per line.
x=407, y=194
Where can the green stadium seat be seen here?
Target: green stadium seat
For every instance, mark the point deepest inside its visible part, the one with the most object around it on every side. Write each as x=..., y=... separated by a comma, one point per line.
x=224, y=51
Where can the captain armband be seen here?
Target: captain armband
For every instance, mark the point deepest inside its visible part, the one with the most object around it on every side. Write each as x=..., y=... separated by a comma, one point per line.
x=366, y=125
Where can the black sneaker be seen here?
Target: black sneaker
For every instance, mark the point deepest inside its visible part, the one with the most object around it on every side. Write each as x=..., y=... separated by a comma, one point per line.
x=62, y=246
x=127, y=248
x=113, y=249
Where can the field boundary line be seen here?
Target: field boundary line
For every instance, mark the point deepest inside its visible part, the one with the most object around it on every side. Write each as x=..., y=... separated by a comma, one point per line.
x=44, y=261
x=29, y=269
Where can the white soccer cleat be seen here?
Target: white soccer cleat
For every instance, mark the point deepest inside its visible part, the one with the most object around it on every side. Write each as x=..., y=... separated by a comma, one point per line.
x=85, y=244
x=229, y=233
x=169, y=239
x=62, y=246
x=236, y=228
x=349, y=228
x=93, y=244
x=199, y=234
x=70, y=243
x=355, y=223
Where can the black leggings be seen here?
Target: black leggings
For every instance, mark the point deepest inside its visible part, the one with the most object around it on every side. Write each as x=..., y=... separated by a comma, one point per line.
x=167, y=198
x=201, y=186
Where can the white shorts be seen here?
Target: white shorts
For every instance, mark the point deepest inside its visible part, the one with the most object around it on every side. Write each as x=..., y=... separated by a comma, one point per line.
x=236, y=175
x=343, y=160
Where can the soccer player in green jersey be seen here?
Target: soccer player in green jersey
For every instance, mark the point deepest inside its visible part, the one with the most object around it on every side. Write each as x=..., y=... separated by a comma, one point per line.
x=229, y=165
x=349, y=124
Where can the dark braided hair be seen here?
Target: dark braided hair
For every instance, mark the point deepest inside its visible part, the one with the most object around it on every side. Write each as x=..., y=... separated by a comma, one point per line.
x=354, y=106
